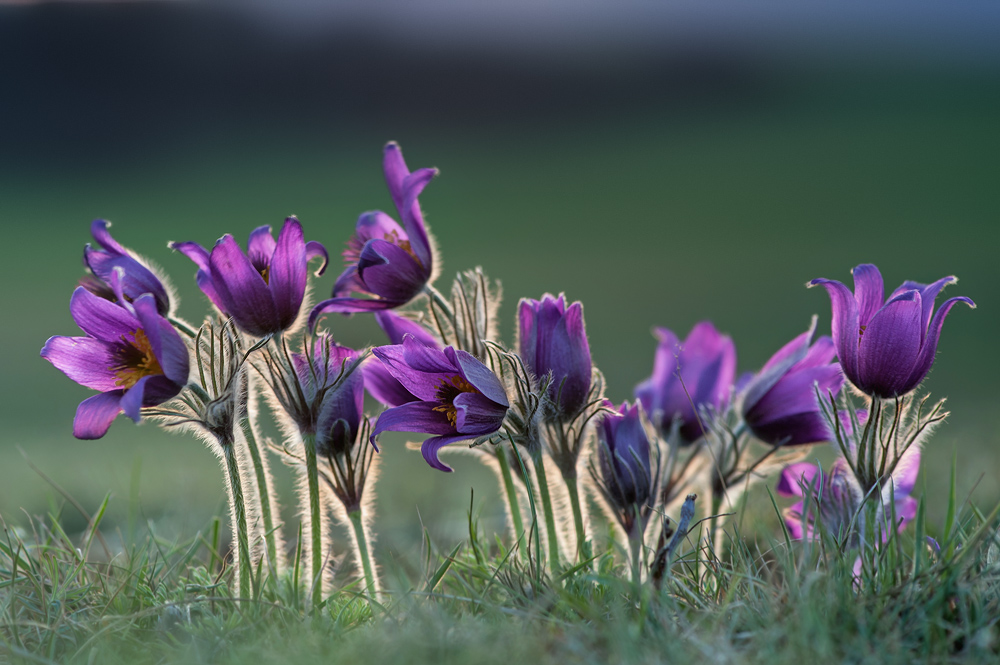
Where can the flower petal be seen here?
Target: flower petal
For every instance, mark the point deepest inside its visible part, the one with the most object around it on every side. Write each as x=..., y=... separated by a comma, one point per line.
x=99, y=229
x=137, y=280
x=413, y=417
x=423, y=383
x=242, y=289
x=315, y=250
x=260, y=247
x=132, y=401
x=95, y=414
x=480, y=376
x=869, y=291
x=86, y=360
x=101, y=318
x=396, y=327
x=929, y=348
x=477, y=415
x=844, y=325
x=890, y=346
x=383, y=386
x=389, y=271
x=200, y=256
x=288, y=272
x=430, y=448
x=167, y=345
x=796, y=479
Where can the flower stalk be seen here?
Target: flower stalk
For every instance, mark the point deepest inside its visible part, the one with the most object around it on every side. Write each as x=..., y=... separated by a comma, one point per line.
x=244, y=568
x=550, y=518
x=363, y=551
x=511, y=493
x=265, y=495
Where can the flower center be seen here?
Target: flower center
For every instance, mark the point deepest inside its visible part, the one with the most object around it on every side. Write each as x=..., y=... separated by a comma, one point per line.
x=265, y=273
x=449, y=389
x=136, y=360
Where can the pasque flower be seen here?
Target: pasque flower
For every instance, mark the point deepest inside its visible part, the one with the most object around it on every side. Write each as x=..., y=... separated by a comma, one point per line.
x=779, y=403
x=460, y=398
x=341, y=392
x=687, y=376
x=886, y=347
x=387, y=262
x=382, y=385
x=835, y=497
x=553, y=338
x=262, y=289
x=131, y=354
x=623, y=459
x=137, y=277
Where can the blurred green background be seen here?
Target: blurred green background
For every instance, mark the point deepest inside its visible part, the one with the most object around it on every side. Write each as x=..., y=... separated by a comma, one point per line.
x=660, y=174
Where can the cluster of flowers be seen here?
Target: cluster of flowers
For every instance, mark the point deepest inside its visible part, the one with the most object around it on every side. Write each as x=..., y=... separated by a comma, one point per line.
x=535, y=411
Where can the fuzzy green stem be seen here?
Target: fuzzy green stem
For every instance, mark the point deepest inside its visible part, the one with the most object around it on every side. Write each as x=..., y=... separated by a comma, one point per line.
x=512, y=501
x=364, y=553
x=263, y=495
x=550, y=519
x=574, y=502
x=635, y=545
x=245, y=568
x=315, y=516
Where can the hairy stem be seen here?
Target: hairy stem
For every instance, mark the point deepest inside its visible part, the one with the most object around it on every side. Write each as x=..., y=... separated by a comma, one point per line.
x=364, y=553
x=512, y=501
x=315, y=517
x=244, y=567
x=275, y=550
x=550, y=518
x=574, y=502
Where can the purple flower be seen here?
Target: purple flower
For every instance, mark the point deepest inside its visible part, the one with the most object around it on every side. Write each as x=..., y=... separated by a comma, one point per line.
x=688, y=376
x=459, y=397
x=835, y=497
x=341, y=405
x=138, y=278
x=623, y=459
x=382, y=385
x=386, y=261
x=131, y=354
x=553, y=338
x=886, y=347
x=779, y=405
x=262, y=289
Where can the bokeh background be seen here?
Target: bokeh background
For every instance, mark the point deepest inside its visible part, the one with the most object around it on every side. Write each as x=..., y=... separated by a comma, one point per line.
x=662, y=162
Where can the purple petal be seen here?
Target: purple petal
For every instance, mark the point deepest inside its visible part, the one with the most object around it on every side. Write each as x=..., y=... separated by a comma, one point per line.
x=239, y=285
x=889, y=347
x=796, y=479
x=424, y=384
x=430, y=448
x=376, y=225
x=868, y=291
x=383, y=386
x=793, y=521
x=780, y=364
x=99, y=229
x=137, y=280
x=317, y=250
x=261, y=246
x=527, y=311
x=132, y=401
x=926, y=357
x=481, y=376
x=87, y=361
x=159, y=389
x=200, y=256
x=477, y=415
x=101, y=318
x=413, y=219
x=348, y=282
x=94, y=415
x=167, y=345
x=389, y=271
x=288, y=274
x=396, y=327
x=414, y=417
x=344, y=305
x=844, y=325
x=904, y=476
x=795, y=393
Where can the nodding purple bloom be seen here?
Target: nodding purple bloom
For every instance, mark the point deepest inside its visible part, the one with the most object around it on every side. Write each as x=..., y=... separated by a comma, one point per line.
x=131, y=354
x=137, y=280
x=341, y=406
x=835, y=498
x=382, y=385
x=687, y=376
x=623, y=459
x=779, y=405
x=459, y=397
x=262, y=289
x=886, y=347
x=385, y=261
x=553, y=338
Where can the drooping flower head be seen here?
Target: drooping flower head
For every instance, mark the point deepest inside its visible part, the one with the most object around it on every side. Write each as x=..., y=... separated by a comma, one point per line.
x=779, y=405
x=886, y=347
x=137, y=278
x=336, y=393
x=553, y=338
x=262, y=289
x=687, y=376
x=623, y=456
x=382, y=385
x=131, y=355
x=460, y=398
x=835, y=498
x=388, y=263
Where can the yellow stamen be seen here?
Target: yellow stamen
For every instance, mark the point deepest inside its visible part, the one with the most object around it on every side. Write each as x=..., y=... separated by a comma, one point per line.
x=449, y=389
x=137, y=361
